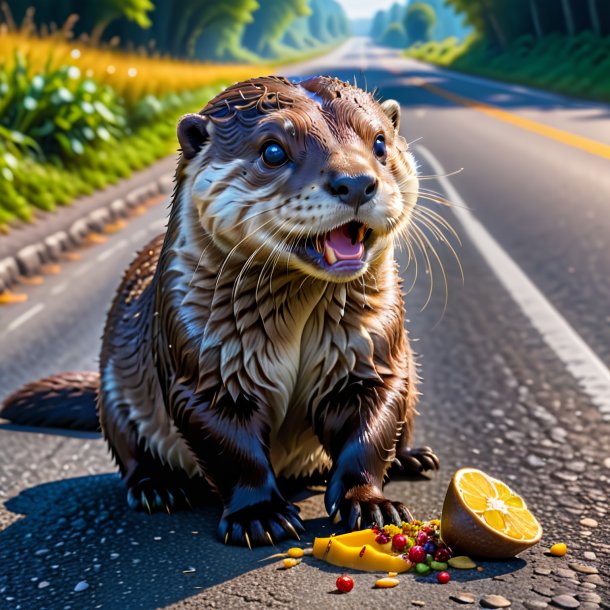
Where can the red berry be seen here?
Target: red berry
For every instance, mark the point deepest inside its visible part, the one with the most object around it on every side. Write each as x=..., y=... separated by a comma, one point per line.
x=417, y=554
x=428, y=530
x=345, y=583
x=443, y=577
x=422, y=538
x=382, y=538
x=442, y=555
x=399, y=542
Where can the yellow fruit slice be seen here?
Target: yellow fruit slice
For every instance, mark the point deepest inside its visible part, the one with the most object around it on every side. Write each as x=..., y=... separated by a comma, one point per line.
x=359, y=551
x=484, y=517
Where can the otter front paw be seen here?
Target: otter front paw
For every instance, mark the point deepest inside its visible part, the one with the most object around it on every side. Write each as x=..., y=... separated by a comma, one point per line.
x=151, y=495
x=260, y=524
x=357, y=514
x=415, y=460
x=365, y=505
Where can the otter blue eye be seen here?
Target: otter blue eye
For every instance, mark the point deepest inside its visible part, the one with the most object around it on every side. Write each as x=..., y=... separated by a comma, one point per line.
x=274, y=155
x=379, y=147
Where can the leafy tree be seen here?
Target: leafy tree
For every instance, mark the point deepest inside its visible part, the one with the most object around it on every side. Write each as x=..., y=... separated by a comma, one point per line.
x=378, y=25
x=110, y=10
x=419, y=21
x=270, y=22
x=394, y=36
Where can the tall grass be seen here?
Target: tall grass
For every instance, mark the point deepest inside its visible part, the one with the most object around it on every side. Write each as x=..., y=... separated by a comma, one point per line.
x=74, y=118
x=131, y=75
x=574, y=65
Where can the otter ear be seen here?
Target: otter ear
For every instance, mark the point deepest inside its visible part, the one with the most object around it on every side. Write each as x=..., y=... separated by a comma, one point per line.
x=192, y=134
x=391, y=108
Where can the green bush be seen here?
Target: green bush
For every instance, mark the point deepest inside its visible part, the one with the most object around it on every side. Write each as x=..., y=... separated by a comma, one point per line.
x=573, y=65
x=29, y=181
x=59, y=109
x=394, y=36
x=419, y=21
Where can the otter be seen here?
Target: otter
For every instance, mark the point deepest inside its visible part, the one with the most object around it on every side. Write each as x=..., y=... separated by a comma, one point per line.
x=262, y=337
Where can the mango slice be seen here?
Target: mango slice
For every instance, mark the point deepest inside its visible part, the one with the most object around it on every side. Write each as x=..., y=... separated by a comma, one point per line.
x=359, y=551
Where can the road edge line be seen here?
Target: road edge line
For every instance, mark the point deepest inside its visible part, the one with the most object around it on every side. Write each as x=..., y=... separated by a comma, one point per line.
x=580, y=360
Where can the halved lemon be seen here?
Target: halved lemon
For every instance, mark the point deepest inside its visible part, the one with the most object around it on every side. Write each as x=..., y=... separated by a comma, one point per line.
x=483, y=517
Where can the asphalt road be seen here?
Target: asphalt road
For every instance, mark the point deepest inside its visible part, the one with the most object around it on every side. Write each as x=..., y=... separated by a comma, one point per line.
x=513, y=376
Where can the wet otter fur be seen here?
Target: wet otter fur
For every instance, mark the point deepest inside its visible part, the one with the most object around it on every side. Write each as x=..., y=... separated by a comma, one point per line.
x=252, y=342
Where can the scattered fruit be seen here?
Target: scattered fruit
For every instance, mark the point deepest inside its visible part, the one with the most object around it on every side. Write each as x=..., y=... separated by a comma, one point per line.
x=482, y=516
x=417, y=554
x=386, y=583
x=559, y=549
x=295, y=552
x=461, y=562
x=442, y=555
x=422, y=568
x=399, y=541
x=392, y=574
x=430, y=547
x=345, y=583
x=438, y=565
x=359, y=551
x=421, y=538
x=443, y=578
x=290, y=562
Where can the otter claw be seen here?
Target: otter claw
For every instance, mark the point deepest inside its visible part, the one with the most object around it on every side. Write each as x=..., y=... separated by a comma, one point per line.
x=260, y=524
x=415, y=461
x=289, y=527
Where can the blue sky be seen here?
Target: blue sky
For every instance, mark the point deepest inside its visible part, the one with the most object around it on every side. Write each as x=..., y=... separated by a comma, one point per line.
x=364, y=8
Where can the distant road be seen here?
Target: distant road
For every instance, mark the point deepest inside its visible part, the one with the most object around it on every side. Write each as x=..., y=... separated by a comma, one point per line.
x=513, y=369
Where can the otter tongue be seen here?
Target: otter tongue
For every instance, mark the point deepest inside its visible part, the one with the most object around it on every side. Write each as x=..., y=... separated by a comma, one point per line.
x=340, y=241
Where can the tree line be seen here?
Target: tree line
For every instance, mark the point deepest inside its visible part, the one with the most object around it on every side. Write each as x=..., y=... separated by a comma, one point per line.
x=202, y=29
x=404, y=24
x=501, y=21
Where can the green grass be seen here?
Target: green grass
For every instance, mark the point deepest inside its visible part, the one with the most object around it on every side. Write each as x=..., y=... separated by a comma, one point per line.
x=28, y=182
x=63, y=134
x=578, y=66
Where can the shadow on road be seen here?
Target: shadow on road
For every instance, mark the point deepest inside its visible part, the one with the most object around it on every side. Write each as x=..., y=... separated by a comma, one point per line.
x=80, y=530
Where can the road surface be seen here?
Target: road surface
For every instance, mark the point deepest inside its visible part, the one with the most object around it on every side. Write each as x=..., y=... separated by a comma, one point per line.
x=514, y=368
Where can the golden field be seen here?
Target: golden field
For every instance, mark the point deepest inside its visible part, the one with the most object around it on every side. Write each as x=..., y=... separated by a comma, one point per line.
x=131, y=75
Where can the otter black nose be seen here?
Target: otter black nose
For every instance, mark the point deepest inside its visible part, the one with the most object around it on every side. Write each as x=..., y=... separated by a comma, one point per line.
x=353, y=190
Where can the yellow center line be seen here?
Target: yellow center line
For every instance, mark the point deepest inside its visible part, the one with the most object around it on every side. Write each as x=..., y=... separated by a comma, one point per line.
x=570, y=139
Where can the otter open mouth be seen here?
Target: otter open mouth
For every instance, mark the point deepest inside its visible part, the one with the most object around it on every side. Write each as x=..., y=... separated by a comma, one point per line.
x=342, y=249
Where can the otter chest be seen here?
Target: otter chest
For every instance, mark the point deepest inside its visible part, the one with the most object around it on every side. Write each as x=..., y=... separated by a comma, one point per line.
x=295, y=449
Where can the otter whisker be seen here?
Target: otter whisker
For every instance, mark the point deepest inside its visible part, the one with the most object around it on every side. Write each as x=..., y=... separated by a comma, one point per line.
x=440, y=263
x=434, y=176
x=430, y=223
x=231, y=252
x=251, y=258
x=258, y=283
x=441, y=220
x=421, y=246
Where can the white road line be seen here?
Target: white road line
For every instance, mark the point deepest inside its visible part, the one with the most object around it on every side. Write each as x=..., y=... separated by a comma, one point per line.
x=111, y=251
x=82, y=269
x=580, y=360
x=59, y=288
x=24, y=317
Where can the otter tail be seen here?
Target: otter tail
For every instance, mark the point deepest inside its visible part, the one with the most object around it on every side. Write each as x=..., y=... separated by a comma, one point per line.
x=66, y=400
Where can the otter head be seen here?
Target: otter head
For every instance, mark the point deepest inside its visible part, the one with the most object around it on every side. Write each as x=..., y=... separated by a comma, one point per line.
x=310, y=176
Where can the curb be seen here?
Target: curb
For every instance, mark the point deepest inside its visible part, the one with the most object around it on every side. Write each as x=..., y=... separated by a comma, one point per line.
x=29, y=260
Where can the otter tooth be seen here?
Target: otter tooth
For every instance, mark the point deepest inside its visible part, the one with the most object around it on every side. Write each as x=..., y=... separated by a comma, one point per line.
x=329, y=254
x=361, y=232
